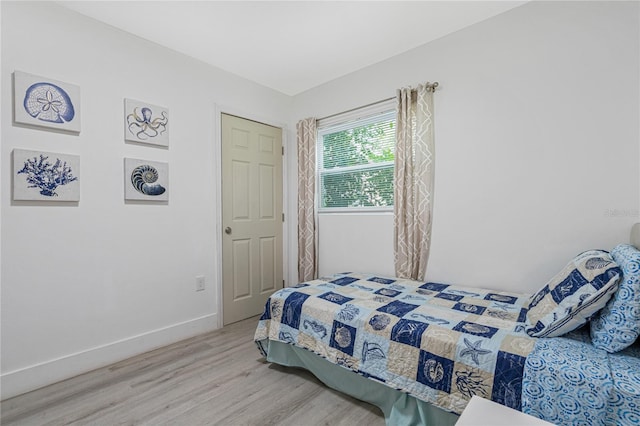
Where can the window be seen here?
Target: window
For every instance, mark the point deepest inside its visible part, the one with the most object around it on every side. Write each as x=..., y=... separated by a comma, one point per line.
x=355, y=163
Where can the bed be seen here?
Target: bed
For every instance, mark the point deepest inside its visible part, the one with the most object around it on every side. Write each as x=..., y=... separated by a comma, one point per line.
x=420, y=350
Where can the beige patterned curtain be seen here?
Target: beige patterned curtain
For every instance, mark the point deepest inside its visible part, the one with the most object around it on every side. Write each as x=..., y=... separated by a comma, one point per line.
x=307, y=218
x=413, y=191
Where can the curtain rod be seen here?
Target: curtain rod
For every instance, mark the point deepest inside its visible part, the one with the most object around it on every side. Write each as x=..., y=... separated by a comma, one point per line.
x=432, y=86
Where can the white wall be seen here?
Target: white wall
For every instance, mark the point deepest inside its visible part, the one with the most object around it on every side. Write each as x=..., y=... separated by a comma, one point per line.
x=85, y=285
x=537, y=144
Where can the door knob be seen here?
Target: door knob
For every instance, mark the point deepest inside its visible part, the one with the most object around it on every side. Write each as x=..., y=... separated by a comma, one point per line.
x=227, y=230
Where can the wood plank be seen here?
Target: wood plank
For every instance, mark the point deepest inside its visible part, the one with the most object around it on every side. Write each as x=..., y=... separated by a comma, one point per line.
x=215, y=378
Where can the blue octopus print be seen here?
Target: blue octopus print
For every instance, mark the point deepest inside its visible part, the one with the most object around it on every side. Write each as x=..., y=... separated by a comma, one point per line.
x=48, y=102
x=143, y=126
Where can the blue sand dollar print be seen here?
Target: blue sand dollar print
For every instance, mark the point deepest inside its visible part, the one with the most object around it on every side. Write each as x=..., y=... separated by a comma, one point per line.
x=48, y=102
x=435, y=371
x=142, y=179
x=408, y=332
x=46, y=175
x=343, y=337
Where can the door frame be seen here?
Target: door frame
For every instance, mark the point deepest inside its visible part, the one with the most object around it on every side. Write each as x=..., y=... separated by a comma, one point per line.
x=217, y=151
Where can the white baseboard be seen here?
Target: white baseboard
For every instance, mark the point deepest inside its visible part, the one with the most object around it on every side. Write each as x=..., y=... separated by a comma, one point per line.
x=26, y=379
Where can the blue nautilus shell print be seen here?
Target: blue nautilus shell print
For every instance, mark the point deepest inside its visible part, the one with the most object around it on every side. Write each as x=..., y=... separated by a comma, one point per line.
x=48, y=102
x=142, y=179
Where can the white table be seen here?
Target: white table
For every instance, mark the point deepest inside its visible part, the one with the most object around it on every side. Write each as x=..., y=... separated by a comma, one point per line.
x=482, y=412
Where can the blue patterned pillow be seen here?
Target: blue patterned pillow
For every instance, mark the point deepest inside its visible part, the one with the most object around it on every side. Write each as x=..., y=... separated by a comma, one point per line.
x=617, y=325
x=575, y=294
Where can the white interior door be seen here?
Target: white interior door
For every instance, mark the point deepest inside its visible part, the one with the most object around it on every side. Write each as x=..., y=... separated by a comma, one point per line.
x=251, y=216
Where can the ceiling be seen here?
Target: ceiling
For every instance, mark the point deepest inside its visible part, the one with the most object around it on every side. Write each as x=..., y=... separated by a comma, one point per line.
x=290, y=46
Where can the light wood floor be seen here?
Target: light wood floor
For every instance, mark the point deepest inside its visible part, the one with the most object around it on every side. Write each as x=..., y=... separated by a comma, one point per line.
x=218, y=378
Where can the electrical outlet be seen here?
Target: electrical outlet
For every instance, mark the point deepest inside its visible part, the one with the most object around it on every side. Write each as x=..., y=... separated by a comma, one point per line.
x=200, y=283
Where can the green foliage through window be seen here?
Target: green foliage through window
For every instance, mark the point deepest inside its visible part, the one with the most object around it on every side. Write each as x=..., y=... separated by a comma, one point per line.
x=356, y=164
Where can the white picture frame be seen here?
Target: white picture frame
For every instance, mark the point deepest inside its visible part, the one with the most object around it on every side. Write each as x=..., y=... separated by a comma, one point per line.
x=146, y=123
x=45, y=102
x=45, y=176
x=146, y=180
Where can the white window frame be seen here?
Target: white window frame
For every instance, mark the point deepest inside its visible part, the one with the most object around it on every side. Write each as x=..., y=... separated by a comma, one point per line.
x=355, y=118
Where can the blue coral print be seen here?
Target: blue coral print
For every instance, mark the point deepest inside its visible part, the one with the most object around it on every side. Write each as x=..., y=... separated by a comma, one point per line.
x=47, y=176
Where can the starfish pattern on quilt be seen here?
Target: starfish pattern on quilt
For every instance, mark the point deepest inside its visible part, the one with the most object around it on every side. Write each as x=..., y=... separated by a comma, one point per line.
x=474, y=349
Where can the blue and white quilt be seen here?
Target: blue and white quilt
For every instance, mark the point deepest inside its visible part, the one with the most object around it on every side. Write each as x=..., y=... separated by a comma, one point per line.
x=567, y=381
x=440, y=343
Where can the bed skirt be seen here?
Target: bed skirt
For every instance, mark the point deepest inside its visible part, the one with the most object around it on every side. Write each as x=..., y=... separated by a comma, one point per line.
x=399, y=408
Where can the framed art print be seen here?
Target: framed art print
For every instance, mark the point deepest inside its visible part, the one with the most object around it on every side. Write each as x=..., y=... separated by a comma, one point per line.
x=45, y=176
x=146, y=180
x=146, y=123
x=44, y=102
